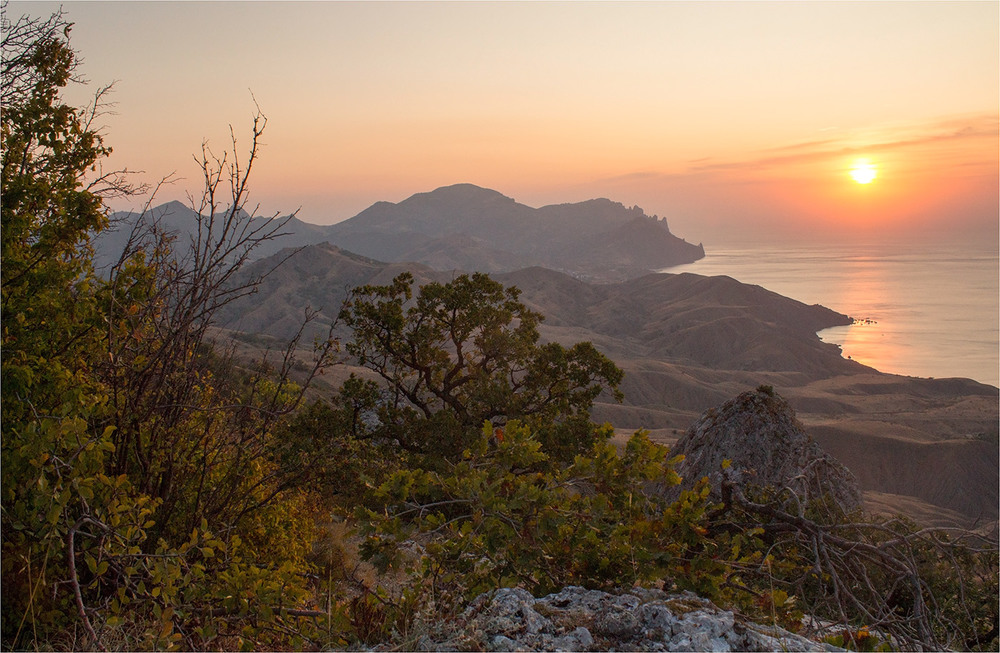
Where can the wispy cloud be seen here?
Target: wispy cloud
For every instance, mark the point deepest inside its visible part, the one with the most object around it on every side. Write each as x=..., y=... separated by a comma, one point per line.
x=981, y=132
x=802, y=146
x=970, y=128
x=635, y=176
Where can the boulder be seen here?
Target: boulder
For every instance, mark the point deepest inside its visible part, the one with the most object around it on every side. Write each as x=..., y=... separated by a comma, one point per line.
x=767, y=447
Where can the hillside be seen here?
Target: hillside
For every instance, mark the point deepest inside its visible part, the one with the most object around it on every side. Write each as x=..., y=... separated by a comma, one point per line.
x=688, y=343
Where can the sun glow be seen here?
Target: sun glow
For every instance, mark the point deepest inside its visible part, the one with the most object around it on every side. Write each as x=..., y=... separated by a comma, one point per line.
x=863, y=171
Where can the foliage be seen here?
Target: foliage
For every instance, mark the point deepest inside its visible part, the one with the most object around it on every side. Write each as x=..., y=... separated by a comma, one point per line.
x=52, y=451
x=333, y=445
x=465, y=352
x=501, y=516
x=125, y=432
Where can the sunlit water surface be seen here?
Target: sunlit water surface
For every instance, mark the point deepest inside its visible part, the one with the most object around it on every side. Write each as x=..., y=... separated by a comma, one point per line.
x=935, y=311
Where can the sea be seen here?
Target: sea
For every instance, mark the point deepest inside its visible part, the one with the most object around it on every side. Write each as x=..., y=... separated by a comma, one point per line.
x=919, y=310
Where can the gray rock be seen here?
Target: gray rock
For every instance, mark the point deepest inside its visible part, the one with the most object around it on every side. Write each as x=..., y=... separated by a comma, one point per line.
x=767, y=447
x=502, y=643
x=617, y=624
x=578, y=640
x=577, y=619
x=506, y=611
x=657, y=621
x=535, y=623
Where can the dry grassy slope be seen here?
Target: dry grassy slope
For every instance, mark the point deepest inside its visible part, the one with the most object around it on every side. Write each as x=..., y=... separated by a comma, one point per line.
x=317, y=277
x=463, y=252
x=688, y=343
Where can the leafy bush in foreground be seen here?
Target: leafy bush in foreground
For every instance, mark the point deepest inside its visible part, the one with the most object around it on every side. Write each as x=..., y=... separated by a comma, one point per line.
x=503, y=516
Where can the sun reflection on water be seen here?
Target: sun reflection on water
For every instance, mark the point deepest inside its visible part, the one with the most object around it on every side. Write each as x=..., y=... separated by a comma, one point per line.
x=934, y=311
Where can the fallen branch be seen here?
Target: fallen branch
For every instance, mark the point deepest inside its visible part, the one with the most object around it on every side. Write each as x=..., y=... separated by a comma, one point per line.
x=75, y=581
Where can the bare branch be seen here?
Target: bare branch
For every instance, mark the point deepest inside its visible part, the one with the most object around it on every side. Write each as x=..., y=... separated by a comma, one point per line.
x=879, y=573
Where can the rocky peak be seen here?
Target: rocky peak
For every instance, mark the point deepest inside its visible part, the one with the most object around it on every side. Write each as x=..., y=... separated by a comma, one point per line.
x=767, y=446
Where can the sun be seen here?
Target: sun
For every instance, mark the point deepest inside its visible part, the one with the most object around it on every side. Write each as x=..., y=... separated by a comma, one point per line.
x=863, y=171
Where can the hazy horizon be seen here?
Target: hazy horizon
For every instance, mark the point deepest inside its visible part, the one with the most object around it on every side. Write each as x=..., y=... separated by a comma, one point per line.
x=735, y=121
x=987, y=239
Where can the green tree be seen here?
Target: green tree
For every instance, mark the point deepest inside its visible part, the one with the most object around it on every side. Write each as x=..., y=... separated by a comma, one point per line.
x=466, y=352
x=52, y=448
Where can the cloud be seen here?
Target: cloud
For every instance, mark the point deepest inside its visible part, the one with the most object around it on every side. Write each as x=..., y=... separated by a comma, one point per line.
x=982, y=127
x=978, y=136
x=634, y=176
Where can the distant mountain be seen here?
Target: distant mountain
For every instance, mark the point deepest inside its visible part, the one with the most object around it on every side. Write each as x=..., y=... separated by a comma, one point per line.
x=715, y=322
x=182, y=221
x=465, y=227
x=597, y=238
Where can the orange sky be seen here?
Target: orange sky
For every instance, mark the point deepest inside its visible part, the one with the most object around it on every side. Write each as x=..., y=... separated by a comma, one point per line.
x=735, y=121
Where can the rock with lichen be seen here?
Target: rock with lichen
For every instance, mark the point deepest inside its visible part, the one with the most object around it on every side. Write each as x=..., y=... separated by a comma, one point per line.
x=578, y=619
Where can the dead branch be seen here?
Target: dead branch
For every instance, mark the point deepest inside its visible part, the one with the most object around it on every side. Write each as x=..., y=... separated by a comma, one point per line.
x=881, y=575
x=74, y=580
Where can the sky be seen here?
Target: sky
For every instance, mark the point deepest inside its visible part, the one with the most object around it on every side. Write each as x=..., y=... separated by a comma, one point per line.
x=737, y=121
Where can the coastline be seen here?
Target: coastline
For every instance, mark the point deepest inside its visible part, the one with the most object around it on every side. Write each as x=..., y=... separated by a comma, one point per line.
x=927, y=313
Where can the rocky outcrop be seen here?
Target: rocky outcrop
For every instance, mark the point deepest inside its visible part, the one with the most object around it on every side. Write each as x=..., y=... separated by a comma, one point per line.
x=766, y=446
x=577, y=619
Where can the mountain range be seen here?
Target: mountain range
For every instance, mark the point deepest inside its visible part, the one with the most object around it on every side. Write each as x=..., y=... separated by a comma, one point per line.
x=465, y=227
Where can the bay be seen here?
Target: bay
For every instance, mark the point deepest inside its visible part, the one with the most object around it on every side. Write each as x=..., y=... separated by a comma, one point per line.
x=920, y=310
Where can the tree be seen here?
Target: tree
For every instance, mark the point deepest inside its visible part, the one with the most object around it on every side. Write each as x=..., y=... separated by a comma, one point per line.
x=467, y=352
x=52, y=449
x=140, y=470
